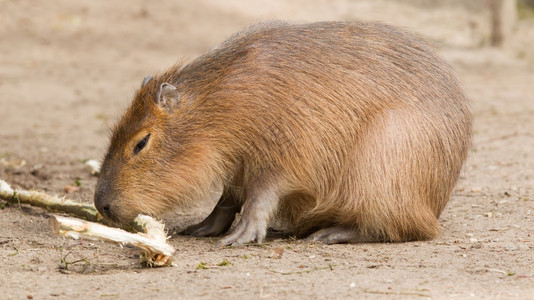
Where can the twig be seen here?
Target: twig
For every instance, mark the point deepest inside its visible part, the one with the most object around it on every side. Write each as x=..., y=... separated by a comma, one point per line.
x=331, y=267
x=48, y=202
x=495, y=270
x=397, y=293
x=67, y=263
x=505, y=137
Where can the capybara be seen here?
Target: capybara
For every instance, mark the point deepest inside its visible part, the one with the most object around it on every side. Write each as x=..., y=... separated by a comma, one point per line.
x=342, y=131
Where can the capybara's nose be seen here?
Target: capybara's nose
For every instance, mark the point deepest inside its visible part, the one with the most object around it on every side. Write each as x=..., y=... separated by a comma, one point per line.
x=104, y=210
x=102, y=203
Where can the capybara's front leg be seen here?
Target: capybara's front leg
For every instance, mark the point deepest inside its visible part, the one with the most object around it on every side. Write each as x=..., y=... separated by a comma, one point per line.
x=219, y=220
x=257, y=211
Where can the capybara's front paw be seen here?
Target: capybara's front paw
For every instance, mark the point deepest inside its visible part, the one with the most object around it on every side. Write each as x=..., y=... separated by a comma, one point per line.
x=215, y=224
x=202, y=229
x=246, y=231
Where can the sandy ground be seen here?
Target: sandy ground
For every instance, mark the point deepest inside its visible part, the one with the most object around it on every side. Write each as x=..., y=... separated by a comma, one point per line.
x=68, y=68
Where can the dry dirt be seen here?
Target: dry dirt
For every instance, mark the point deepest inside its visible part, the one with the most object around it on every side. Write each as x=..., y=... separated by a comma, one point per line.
x=68, y=68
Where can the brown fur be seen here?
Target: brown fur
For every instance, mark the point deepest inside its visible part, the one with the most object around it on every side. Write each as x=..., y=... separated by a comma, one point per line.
x=358, y=125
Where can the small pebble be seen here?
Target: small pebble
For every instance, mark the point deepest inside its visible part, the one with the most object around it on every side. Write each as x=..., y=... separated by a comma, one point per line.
x=476, y=189
x=476, y=246
x=71, y=189
x=511, y=247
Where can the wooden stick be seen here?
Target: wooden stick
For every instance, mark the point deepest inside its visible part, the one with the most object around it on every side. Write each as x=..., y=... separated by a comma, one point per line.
x=154, y=243
x=51, y=203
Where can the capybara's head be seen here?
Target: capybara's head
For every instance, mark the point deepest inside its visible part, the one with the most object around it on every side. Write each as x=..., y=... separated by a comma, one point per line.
x=157, y=158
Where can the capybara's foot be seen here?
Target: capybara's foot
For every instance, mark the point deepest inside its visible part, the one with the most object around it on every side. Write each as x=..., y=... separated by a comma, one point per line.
x=255, y=217
x=208, y=228
x=218, y=221
x=336, y=235
x=246, y=231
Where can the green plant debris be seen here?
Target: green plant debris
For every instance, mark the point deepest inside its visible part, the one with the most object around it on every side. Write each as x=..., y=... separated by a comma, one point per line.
x=101, y=116
x=64, y=264
x=224, y=263
x=202, y=266
x=77, y=182
x=8, y=201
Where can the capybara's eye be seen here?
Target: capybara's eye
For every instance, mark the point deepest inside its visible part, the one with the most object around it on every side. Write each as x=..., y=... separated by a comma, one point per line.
x=141, y=144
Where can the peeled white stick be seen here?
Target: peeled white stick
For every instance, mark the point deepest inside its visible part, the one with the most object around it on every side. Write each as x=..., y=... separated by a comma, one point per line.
x=48, y=202
x=154, y=242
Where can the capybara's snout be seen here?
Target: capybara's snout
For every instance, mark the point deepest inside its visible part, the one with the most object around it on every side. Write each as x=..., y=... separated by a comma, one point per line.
x=102, y=201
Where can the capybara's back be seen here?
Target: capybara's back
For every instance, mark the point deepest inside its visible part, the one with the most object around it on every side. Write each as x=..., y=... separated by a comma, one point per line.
x=354, y=131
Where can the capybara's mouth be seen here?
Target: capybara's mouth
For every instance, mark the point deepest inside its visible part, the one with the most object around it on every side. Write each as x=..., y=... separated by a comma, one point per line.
x=110, y=221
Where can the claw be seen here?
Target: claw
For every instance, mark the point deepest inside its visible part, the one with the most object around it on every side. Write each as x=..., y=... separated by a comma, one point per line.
x=245, y=233
x=255, y=216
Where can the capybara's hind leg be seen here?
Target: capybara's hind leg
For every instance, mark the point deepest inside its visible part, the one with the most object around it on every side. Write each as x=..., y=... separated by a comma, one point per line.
x=218, y=221
x=337, y=235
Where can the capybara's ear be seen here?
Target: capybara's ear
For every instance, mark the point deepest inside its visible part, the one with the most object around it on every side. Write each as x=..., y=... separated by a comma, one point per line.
x=167, y=96
x=146, y=80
